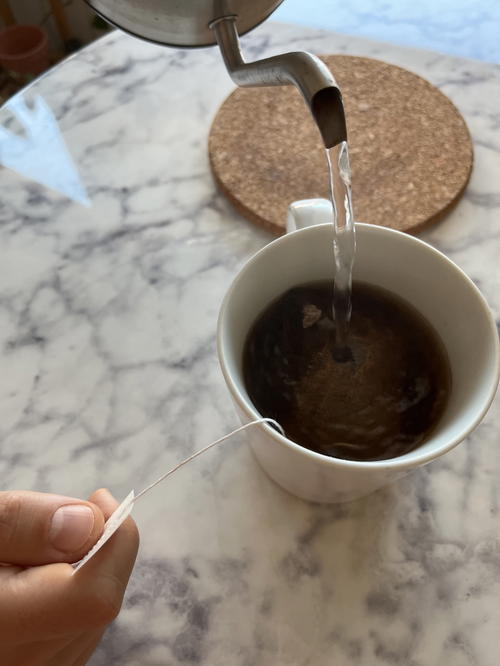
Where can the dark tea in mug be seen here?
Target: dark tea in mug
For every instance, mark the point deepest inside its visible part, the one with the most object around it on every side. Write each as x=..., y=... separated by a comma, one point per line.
x=380, y=399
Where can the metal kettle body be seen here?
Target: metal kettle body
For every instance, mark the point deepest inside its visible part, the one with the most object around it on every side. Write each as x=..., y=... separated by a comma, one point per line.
x=181, y=22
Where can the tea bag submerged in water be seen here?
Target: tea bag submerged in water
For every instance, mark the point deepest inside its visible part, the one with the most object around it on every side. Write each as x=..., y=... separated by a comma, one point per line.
x=379, y=401
x=122, y=512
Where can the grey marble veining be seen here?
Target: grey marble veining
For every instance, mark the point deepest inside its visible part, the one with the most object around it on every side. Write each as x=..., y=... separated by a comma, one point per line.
x=108, y=307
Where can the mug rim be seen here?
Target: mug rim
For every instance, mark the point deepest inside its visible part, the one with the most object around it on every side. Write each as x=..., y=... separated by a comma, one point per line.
x=392, y=463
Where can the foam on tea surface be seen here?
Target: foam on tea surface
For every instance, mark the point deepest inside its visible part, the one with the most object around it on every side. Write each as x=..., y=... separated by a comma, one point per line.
x=380, y=401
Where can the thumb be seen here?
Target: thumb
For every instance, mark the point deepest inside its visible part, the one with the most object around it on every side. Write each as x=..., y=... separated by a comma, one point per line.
x=38, y=528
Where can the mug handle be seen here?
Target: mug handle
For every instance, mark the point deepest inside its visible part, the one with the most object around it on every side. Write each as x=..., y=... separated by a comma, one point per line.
x=308, y=213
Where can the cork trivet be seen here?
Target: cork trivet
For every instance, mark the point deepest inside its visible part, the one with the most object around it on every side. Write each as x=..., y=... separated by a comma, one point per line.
x=411, y=152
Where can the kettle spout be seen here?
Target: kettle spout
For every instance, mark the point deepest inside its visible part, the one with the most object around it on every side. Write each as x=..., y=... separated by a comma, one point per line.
x=304, y=70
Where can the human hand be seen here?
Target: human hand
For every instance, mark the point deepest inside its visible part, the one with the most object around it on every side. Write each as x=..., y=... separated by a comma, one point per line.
x=49, y=617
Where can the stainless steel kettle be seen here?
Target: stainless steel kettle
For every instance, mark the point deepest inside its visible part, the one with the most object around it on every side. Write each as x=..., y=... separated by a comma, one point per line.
x=189, y=23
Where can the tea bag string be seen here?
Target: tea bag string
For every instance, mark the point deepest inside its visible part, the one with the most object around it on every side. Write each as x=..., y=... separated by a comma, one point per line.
x=205, y=449
x=124, y=509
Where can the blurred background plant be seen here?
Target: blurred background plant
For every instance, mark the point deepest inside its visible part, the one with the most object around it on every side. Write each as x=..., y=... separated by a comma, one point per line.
x=35, y=34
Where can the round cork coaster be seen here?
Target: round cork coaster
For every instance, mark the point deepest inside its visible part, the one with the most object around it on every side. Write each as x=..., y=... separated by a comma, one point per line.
x=410, y=149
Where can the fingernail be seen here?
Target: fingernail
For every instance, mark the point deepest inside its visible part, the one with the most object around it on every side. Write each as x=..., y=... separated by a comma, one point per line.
x=71, y=527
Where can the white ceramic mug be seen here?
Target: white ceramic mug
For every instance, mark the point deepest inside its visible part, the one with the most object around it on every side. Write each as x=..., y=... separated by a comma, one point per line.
x=402, y=264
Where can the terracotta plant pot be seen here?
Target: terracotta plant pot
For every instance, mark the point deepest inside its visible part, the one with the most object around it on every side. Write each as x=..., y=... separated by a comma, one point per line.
x=24, y=49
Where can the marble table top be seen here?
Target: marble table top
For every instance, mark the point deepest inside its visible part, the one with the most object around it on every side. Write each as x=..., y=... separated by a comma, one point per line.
x=115, y=252
x=465, y=28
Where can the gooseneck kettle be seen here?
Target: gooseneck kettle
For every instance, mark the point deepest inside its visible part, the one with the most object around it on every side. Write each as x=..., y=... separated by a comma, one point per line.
x=192, y=23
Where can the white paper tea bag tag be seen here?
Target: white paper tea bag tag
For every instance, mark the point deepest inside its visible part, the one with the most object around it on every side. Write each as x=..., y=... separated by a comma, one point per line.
x=123, y=511
x=119, y=515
